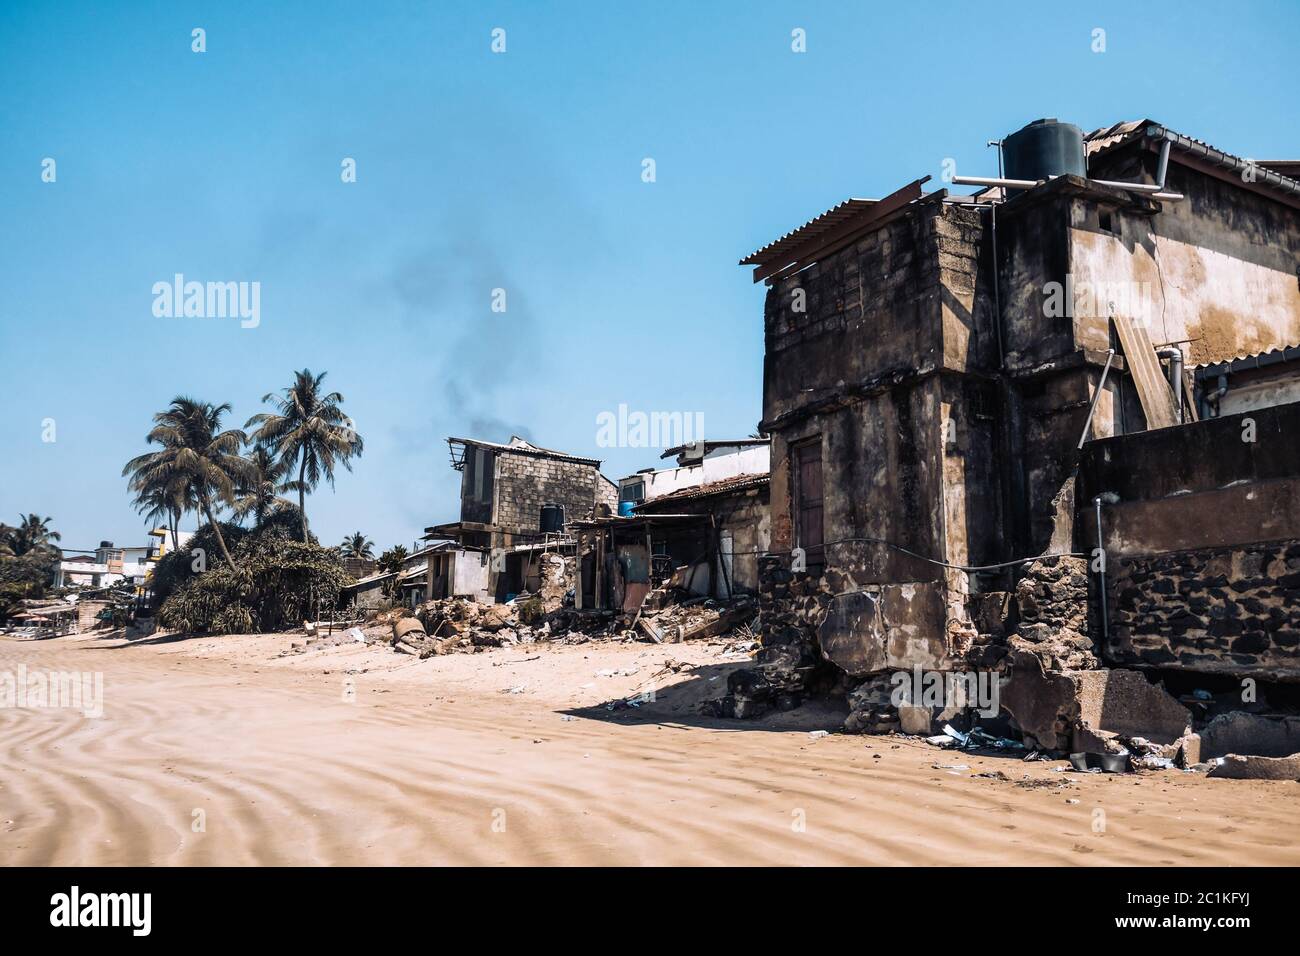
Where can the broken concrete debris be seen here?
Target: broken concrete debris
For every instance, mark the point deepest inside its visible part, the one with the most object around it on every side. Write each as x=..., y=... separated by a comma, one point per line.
x=463, y=625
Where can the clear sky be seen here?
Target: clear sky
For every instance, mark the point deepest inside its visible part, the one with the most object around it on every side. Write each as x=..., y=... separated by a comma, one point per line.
x=519, y=170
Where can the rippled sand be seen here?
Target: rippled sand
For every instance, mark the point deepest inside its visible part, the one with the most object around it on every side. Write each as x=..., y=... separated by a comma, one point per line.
x=436, y=763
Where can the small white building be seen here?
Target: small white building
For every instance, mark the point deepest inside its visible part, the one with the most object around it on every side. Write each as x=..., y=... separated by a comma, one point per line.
x=700, y=463
x=111, y=565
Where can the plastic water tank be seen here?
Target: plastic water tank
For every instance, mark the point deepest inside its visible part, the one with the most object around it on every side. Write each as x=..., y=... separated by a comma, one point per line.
x=1044, y=148
x=552, y=518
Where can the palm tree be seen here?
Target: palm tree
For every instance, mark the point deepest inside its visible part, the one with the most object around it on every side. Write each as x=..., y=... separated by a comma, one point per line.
x=30, y=535
x=257, y=495
x=160, y=496
x=391, y=560
x=198, y=460
x=308, y=430
x=357, y=546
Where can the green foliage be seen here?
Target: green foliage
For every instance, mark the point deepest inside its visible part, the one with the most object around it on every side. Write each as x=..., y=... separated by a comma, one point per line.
x=308, y=434
x=274, y=585
x=28, y=558
x=357, y=546
x=176, y=568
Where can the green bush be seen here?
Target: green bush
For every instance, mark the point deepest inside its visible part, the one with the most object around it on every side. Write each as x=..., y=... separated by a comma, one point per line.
x=276, y=584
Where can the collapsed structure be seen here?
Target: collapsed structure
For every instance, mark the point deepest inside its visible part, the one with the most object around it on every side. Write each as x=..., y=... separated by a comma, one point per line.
x=961, y=390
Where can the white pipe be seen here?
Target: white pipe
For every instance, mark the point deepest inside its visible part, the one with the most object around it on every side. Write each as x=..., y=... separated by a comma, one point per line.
x=993, y=181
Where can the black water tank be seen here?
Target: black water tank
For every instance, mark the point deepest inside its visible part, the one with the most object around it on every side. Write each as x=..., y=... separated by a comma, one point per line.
x=1043, y=149
x=552, y=518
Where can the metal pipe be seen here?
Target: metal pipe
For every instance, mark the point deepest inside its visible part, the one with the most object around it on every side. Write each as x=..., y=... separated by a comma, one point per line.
x=1101, y=578
x=1147, y=189
x=1175, y=356
x=1162, y=166
x=1110, y=357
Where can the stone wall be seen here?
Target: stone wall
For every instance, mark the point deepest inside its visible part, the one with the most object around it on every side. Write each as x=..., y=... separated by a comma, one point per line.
x=1223, y=610
x=526, y=482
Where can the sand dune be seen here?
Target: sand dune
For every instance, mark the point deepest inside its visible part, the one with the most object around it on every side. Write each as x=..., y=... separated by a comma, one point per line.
x=436, y=762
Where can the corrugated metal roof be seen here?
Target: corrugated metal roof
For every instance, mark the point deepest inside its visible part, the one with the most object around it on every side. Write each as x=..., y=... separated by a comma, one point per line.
x=1101, y=140
x=524, y=448
x=1245, y=360
x=722, y=487
x=818, y=225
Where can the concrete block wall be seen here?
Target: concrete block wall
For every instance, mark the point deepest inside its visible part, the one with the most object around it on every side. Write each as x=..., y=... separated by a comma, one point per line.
x=524, y=483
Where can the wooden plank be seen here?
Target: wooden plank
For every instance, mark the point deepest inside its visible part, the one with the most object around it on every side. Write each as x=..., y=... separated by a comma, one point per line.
x=1153, y=389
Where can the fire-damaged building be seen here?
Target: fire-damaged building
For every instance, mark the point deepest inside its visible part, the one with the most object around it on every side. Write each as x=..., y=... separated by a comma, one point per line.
x=961, y=390
x=515, y=501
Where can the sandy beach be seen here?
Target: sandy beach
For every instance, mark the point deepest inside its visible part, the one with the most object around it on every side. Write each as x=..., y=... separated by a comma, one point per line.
x=250, y=750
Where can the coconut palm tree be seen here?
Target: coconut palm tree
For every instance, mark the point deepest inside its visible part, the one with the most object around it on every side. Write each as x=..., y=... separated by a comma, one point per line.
x=32, y=534
x=199, y=460
x=309, y=432
x=160, y=496
x=357, y=546
x=391, y=560
x=258, y=495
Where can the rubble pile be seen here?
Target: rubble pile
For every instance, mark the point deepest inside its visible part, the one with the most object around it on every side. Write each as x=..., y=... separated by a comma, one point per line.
x=1033, y=647
x=462, y=625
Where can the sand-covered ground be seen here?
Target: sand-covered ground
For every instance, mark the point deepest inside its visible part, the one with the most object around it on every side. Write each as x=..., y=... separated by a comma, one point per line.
x=231, y=751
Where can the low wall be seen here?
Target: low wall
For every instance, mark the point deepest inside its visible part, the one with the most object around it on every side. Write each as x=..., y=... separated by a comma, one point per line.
x=1230, y=611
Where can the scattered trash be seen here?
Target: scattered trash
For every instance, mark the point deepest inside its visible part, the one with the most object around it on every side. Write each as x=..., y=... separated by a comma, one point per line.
x=1100, y=763
x=818, y=734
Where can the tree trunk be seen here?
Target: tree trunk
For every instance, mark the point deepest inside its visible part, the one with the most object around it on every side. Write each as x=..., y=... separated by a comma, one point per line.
x=216, y=529
x=302, y=497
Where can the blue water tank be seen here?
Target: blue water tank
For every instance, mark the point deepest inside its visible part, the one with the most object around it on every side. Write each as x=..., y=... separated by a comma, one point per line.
x=625, y=508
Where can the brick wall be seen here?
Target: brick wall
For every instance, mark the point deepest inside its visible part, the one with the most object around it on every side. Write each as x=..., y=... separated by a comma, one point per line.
x=1226, y=610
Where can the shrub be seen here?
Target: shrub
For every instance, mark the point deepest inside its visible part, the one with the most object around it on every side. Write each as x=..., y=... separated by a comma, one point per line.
x=276, y=584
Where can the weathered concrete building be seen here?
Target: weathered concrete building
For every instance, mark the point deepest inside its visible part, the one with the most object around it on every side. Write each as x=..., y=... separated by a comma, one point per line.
x=515, y=501
x=506, y=487
x=933, y=364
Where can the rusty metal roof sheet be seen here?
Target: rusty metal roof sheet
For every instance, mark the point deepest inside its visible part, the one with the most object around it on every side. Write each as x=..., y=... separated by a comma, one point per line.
x=1249, y=360
x=724, y=486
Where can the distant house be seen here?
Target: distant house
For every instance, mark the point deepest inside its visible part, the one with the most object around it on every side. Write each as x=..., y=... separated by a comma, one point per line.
x=111, y=565
x=442, y=569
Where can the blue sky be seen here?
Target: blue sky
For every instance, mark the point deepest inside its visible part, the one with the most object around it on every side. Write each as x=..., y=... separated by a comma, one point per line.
x=478, y=171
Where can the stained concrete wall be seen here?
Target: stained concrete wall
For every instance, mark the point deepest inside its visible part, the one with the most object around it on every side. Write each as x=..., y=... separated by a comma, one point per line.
x=908, y=444
x=1222, y=263
x=1203, y=565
